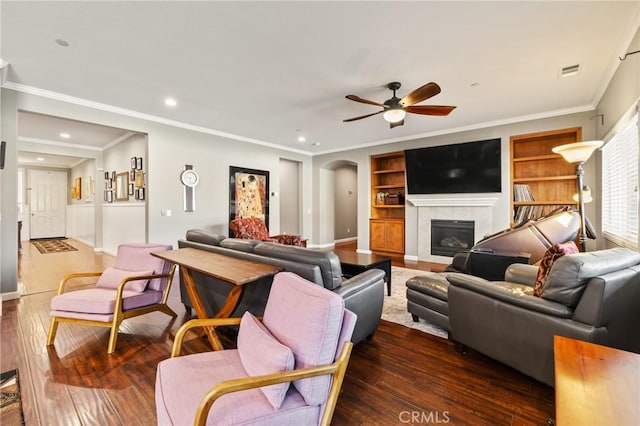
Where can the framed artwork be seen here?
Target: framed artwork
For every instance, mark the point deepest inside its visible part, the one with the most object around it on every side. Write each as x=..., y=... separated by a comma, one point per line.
x=140, y=194
x=132, y=175
x=106, y=175
x=122, y=186
x=113, y=175
x=78, y=188
x=134, y=162
x=131, y=189
x=108, y=196
x=139, y=179
x=139, y=163
x=248, y=194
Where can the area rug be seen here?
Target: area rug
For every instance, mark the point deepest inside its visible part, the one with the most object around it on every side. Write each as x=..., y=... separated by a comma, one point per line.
x=10, y=405
x=395, y=306
x=53, y=245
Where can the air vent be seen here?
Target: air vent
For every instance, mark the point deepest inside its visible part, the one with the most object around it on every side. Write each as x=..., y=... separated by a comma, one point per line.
x=570, y=71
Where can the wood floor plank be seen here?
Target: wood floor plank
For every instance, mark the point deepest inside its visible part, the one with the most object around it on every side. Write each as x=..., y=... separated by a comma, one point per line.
x=401, y=373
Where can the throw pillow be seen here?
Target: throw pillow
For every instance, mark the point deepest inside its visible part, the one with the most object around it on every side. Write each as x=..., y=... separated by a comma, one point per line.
x=261, y=353
x=112, y=277
x=554, y=252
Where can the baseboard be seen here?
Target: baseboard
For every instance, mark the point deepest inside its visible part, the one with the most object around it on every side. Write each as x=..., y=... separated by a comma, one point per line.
x=98, y=250
x=363, y=251
x=411, y=258
x=345, y=240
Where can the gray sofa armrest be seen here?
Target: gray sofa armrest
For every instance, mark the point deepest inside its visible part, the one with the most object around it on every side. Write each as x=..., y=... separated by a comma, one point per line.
x=358, y=282
x=364, y=295
x=521, y=274
x=512, y=293
x=204, y=237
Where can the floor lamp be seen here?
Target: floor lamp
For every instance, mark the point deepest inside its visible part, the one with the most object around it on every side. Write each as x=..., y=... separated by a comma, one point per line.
x=579, y=153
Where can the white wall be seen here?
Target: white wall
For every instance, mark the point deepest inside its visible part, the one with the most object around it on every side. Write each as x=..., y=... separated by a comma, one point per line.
x=290, y=207
x=346, y=202
x=81, y=223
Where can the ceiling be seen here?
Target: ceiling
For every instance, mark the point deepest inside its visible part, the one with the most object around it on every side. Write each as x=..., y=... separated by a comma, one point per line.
x=269, y=72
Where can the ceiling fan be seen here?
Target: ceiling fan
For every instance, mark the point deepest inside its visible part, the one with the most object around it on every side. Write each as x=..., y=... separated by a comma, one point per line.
x=395, y=109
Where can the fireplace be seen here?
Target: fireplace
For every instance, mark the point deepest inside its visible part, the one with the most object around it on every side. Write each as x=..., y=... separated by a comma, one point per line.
x=449, y=237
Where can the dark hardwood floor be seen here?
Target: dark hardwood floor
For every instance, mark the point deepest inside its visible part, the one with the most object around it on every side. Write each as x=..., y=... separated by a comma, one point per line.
x=403, y=376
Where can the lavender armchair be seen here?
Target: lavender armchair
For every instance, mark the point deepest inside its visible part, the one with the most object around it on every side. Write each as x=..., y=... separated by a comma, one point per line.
x=287, y=369
x=139, y=283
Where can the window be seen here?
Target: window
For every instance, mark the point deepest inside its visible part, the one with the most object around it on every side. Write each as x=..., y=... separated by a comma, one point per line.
x=620, y=185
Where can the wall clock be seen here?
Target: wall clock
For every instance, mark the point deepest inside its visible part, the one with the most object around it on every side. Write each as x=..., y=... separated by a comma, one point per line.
x=189, y=178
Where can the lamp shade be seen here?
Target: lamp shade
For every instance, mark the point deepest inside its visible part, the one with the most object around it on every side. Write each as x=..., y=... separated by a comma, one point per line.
x=586, y=195
x=577, y=152
x=393, y=115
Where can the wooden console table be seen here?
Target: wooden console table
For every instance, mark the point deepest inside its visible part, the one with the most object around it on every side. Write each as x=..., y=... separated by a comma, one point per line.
x=595, y=385
x=238, y=272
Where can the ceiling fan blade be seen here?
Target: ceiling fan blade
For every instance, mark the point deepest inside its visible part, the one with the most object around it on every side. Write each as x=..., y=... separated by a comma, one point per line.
x=420, y=94
x=440, y=110
x=363, y=101
x=361, y=117
x=396, y=124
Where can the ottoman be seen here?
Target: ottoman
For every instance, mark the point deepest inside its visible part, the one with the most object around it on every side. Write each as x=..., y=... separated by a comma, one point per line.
x=427, y=298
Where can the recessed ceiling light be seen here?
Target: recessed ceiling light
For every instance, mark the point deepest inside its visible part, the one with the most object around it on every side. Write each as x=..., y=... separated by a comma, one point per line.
x=65, y=135
x=302, y=139
x=40, y=158
x=62, y=42
x=170, y=102
x=316, y=144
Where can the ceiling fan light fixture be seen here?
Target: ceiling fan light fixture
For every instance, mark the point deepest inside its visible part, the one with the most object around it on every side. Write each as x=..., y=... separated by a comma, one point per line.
x=394, y=115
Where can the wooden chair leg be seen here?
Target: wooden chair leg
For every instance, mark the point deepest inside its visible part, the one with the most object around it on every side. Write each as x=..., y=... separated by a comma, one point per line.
x=53, y=329
x=113, y=337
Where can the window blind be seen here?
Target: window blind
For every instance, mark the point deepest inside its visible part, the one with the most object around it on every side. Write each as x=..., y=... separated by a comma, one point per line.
x=620, y=185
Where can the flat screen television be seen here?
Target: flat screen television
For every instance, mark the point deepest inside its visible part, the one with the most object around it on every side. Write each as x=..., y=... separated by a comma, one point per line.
x=470, y=167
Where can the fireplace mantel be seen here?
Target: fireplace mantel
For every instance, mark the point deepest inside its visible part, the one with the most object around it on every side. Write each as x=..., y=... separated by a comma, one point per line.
x=453, y=202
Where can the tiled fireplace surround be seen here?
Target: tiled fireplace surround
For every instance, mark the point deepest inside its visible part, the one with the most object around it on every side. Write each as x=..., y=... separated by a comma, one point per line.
x=478, y=209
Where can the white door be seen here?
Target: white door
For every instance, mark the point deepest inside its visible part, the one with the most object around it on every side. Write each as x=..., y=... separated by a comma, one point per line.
x=47, y=203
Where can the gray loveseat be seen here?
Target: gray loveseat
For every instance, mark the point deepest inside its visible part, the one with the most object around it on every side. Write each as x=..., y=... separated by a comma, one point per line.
x=363, y=294
x=592, y=296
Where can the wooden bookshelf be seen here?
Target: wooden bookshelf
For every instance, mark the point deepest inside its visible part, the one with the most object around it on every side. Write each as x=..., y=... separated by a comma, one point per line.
x=550, y=178
x=386, y=224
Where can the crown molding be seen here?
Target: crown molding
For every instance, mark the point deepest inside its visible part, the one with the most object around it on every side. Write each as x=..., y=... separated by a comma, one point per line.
x=57, y=143
x=477, y=126
x=143, y=116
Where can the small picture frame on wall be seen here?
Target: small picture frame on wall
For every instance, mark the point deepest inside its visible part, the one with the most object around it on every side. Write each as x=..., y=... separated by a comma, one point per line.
x=134, y=161
x=140, y=194
x=108, y=196
x=106, y=175
x=139, y=163
x=108, y=183
x=131, y=189
x=113, y=175
x=139, y=179
x=132, y=175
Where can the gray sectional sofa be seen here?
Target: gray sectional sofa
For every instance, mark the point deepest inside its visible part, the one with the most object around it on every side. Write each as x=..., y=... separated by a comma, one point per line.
x=363, y=293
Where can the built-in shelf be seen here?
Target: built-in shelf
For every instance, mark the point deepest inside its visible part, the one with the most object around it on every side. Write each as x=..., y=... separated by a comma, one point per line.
x=386, y=225
x=545, y=180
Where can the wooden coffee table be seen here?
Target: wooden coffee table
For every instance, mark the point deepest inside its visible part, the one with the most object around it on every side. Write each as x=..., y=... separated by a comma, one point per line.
x=595, y=384
x=238, y=272
x=353, y=263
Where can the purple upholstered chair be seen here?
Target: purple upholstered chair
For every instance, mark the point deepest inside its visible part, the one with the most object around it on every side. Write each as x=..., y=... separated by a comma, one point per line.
x=139, y=283
x=287, y=369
